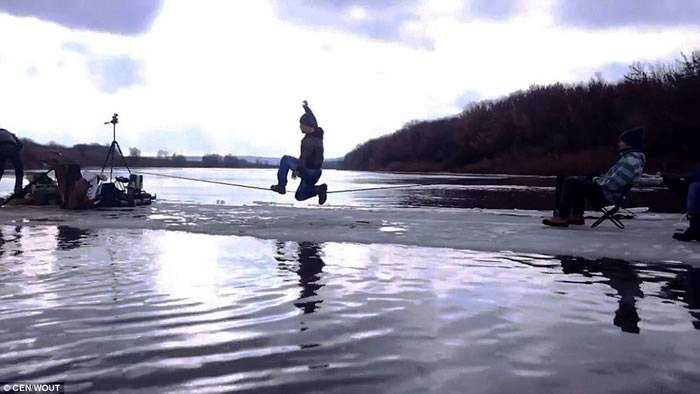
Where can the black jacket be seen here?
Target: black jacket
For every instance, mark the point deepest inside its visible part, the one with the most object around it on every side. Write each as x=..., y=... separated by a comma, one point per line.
x=312, y=144
x=8, y=138
x=312, y=150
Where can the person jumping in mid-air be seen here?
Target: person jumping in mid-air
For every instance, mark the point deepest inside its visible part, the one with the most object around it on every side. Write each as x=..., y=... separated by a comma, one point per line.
x=308, y=165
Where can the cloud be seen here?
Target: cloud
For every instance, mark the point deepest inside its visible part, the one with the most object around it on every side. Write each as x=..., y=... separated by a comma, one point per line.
x=120, y=17
x=113, y=73
x=233, y=79
x=466, y=98
x=493, y=9
x=619, y=13
x=32, y=71
x=380, y=20
x=609, y=72
x=614, y=71
x=76, y=47
x=110, y=73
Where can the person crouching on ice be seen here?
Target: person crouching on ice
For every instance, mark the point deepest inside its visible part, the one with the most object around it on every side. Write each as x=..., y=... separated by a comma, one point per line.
x=75, y=190
x=308, y=165
x=572, y=192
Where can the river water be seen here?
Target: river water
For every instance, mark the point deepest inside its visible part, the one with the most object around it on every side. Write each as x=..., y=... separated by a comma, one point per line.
x=135, y=310
x=436, y=190
x=163, y=311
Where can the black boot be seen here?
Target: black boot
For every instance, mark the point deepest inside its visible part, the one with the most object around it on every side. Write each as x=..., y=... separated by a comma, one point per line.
x=692, y=233
x=279, y=189
x=322, y=193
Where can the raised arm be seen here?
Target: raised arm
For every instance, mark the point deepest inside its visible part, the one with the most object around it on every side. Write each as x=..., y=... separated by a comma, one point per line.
x=309, y=112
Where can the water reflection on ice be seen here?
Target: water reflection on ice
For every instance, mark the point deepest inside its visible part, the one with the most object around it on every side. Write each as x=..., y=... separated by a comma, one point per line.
x=123, y=310
x=188, y=266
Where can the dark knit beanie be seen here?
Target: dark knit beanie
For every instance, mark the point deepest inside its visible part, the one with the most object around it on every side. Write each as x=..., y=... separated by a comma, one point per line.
x=633, y=137
x=308, y=120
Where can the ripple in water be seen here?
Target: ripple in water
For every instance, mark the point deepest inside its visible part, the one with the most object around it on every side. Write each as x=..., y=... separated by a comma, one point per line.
x=161, y=311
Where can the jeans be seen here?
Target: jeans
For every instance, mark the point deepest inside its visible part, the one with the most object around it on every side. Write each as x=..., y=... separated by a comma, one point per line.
x=694, y=198
x=307, y=187
x=11, y=152
x=572, y=193
x=695, y=177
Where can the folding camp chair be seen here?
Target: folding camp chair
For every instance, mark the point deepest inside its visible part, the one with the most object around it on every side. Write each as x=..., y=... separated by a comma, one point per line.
x=612, y=213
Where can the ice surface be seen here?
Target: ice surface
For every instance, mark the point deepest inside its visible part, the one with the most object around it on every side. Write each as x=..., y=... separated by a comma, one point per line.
x=646, y=238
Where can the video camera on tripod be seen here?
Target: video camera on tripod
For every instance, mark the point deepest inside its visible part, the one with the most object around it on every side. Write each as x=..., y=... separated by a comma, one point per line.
x=115, y=119
x=122, y=190
x=114, y=148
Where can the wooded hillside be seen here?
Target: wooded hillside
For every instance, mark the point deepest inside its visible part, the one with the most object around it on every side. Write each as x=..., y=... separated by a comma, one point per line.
x=554, y=129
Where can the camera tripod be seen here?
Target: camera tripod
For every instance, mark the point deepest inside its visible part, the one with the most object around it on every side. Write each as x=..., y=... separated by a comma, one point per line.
x=113, y=149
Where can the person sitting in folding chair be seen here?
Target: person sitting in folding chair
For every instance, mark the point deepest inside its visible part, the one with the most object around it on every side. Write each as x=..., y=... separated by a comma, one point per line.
x=608, y=189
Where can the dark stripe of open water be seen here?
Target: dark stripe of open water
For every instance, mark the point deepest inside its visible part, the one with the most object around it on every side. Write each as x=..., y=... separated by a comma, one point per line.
x=160, y=311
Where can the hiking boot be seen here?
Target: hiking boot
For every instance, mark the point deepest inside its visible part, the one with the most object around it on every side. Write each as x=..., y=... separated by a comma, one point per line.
x=556, y=221
x=687, y=235
x=279, y=189
x=322, y=193
x=692, y=233
x=577, y=220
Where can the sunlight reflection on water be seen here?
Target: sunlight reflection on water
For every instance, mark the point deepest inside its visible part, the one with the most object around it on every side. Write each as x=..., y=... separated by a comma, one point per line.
x=167, y=311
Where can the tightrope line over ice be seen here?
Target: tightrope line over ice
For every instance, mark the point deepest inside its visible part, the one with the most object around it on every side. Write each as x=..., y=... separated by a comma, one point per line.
x=267, y=189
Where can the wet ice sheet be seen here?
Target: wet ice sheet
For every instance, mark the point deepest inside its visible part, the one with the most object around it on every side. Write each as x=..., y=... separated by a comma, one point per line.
x=160, y=311
x=646, y=238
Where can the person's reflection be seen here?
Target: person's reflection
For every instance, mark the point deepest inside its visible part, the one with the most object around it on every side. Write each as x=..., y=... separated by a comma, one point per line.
x=70, y=237
x=10, y=238
x=621, y=277
x=310, y=265
x=686, y=287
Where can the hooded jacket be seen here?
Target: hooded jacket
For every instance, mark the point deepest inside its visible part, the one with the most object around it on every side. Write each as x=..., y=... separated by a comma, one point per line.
x=627, y=170
x=312, y=150
x=8, y=138
x=311, y=156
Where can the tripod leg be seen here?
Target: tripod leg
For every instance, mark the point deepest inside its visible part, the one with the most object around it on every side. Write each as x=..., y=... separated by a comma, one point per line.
x=122, y=155
x=111, y=160
x=110, y=153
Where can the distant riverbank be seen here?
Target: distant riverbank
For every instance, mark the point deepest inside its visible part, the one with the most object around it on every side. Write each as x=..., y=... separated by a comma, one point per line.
x=35, y=156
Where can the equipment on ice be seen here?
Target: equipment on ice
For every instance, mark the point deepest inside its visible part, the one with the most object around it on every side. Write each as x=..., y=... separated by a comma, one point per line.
x=121, y=191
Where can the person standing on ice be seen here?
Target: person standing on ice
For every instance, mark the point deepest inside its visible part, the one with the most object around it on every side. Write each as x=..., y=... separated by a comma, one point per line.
x=10, y=148
x=572, y=192
x=308, y=165
x=689, y=187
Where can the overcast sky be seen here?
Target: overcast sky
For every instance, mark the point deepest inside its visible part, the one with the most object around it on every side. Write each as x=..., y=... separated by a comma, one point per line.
x=229, y=76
